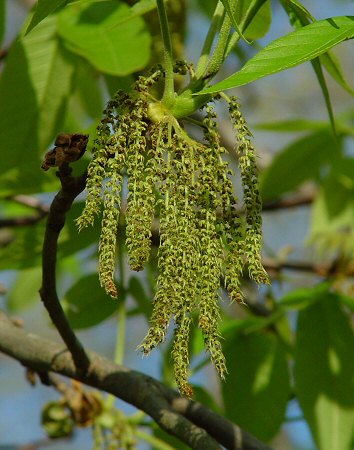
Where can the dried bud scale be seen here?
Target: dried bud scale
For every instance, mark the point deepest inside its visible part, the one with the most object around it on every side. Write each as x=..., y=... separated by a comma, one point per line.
x=188, y=183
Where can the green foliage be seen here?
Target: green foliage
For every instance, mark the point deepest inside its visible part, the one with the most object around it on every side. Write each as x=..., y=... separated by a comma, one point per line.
x=87, y=305
x=324, y=372
x=42, y=9
x=90, y=27
x=301, y=161
x=258, y=388
x=259, y=25
x=34, y=91
x=25, y=291
x=333, y=212
x=288, y=51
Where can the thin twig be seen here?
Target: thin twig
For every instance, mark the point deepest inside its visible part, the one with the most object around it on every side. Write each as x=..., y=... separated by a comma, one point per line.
x=19, y=221
x=71, y=187
x=191, y=422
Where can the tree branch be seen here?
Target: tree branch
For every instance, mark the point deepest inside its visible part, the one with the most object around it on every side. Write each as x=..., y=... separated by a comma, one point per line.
x=71, y=187
x=191, y=422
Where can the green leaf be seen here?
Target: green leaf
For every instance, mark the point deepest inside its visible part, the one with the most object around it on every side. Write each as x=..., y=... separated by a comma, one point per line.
x=138, y=9
x=25, y=290
x=323, y=85
x=303, y=297
x=300, y=16
x=291, y=125
x=332, y=65
x=258, y=377
x=86, y=303
x=42, y=10
x=71, y=241
x=332, y=224
x=137, y=291
x=85, y=105
x=201, y=395
x=324, y=368
x=301, y=12
x=260, y=24
x=34, y=89
x=297, y=125
x=24, y=249
x=291, y=50
x=297, y=163
x=261, y=21
x=114, y=40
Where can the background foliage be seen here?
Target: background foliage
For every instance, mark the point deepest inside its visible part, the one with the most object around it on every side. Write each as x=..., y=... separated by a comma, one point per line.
x=290, y=353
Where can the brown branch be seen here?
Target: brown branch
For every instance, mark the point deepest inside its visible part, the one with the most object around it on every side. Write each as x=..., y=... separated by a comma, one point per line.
x=31, y=202
x=299, y=199
x=21, y=221
x=71, y=187
x=191, y=422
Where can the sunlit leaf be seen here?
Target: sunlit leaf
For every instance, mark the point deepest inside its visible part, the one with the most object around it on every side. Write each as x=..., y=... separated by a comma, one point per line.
x=24, y=249
x=25, y=290
x=261, y=21
x=137, y=291
x=332, y=222
x=42, y=10
x=34, y=90
x=86, y=304
x=332, y=65
x=257, y=388
x=107, y=34
x=291, y=50
x=324, y=368
x=303, y=297
x=297, y=163
x=70, y=240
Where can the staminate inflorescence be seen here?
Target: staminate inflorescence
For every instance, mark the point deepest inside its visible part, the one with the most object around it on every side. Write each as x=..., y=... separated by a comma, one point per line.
x=188, y=185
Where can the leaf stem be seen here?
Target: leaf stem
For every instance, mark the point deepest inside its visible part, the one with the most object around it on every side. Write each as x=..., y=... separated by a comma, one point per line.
x=246, y=20
x=168, y=95
x=218, y=56
x=215, y=25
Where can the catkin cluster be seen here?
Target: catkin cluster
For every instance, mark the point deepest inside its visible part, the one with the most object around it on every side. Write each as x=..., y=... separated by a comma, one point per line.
x=188, y=185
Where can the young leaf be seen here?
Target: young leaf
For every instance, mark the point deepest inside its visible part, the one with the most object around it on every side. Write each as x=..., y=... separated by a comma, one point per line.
x=297, y=163
x=291, y=50
x=137, y=291
x=24, y=249
x=316, y=64
x=70, y=241
x=324, y=368
x=331, y=64
x=86, y=303
x=258, y=377
x=332, y=228
x=25, y=290
x=34, y=88
x=259, y=24
x=292, y=125
x=42, y=10
x=111, y=37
